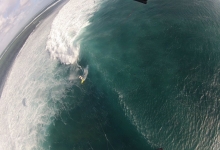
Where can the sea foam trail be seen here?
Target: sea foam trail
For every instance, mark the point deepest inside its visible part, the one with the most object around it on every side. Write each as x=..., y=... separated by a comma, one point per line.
x=72, y=18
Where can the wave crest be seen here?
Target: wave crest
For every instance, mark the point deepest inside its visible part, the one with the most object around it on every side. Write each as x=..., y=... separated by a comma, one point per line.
x=70, y=20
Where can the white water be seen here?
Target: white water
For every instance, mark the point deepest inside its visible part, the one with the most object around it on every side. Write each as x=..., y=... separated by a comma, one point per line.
x=36, y=84
x=30, y=79
x=66, y=27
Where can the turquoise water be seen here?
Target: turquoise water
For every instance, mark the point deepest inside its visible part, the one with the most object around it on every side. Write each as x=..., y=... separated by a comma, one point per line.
x=153, y=79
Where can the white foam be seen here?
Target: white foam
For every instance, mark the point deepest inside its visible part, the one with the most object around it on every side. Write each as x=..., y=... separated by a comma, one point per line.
x=72, y=18
x=33, y=87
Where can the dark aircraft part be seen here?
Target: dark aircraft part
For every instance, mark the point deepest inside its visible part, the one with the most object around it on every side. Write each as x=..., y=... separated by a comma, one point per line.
x=142, y=1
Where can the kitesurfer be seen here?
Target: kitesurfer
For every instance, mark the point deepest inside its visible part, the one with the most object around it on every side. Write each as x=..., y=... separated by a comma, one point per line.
x=81, y=77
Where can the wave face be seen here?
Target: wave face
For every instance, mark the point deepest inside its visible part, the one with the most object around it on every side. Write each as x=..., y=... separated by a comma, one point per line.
x=162, y=62
x=72, y=18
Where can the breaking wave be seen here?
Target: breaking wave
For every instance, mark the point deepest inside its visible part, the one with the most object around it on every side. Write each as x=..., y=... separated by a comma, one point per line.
x=72, y=18
x=36, y=85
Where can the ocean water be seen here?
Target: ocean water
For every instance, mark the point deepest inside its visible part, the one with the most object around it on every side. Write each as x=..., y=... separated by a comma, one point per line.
x=153, y=79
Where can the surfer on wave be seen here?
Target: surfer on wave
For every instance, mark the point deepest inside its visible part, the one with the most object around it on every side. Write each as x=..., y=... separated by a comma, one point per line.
x=82, y=80
x=84, y=76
